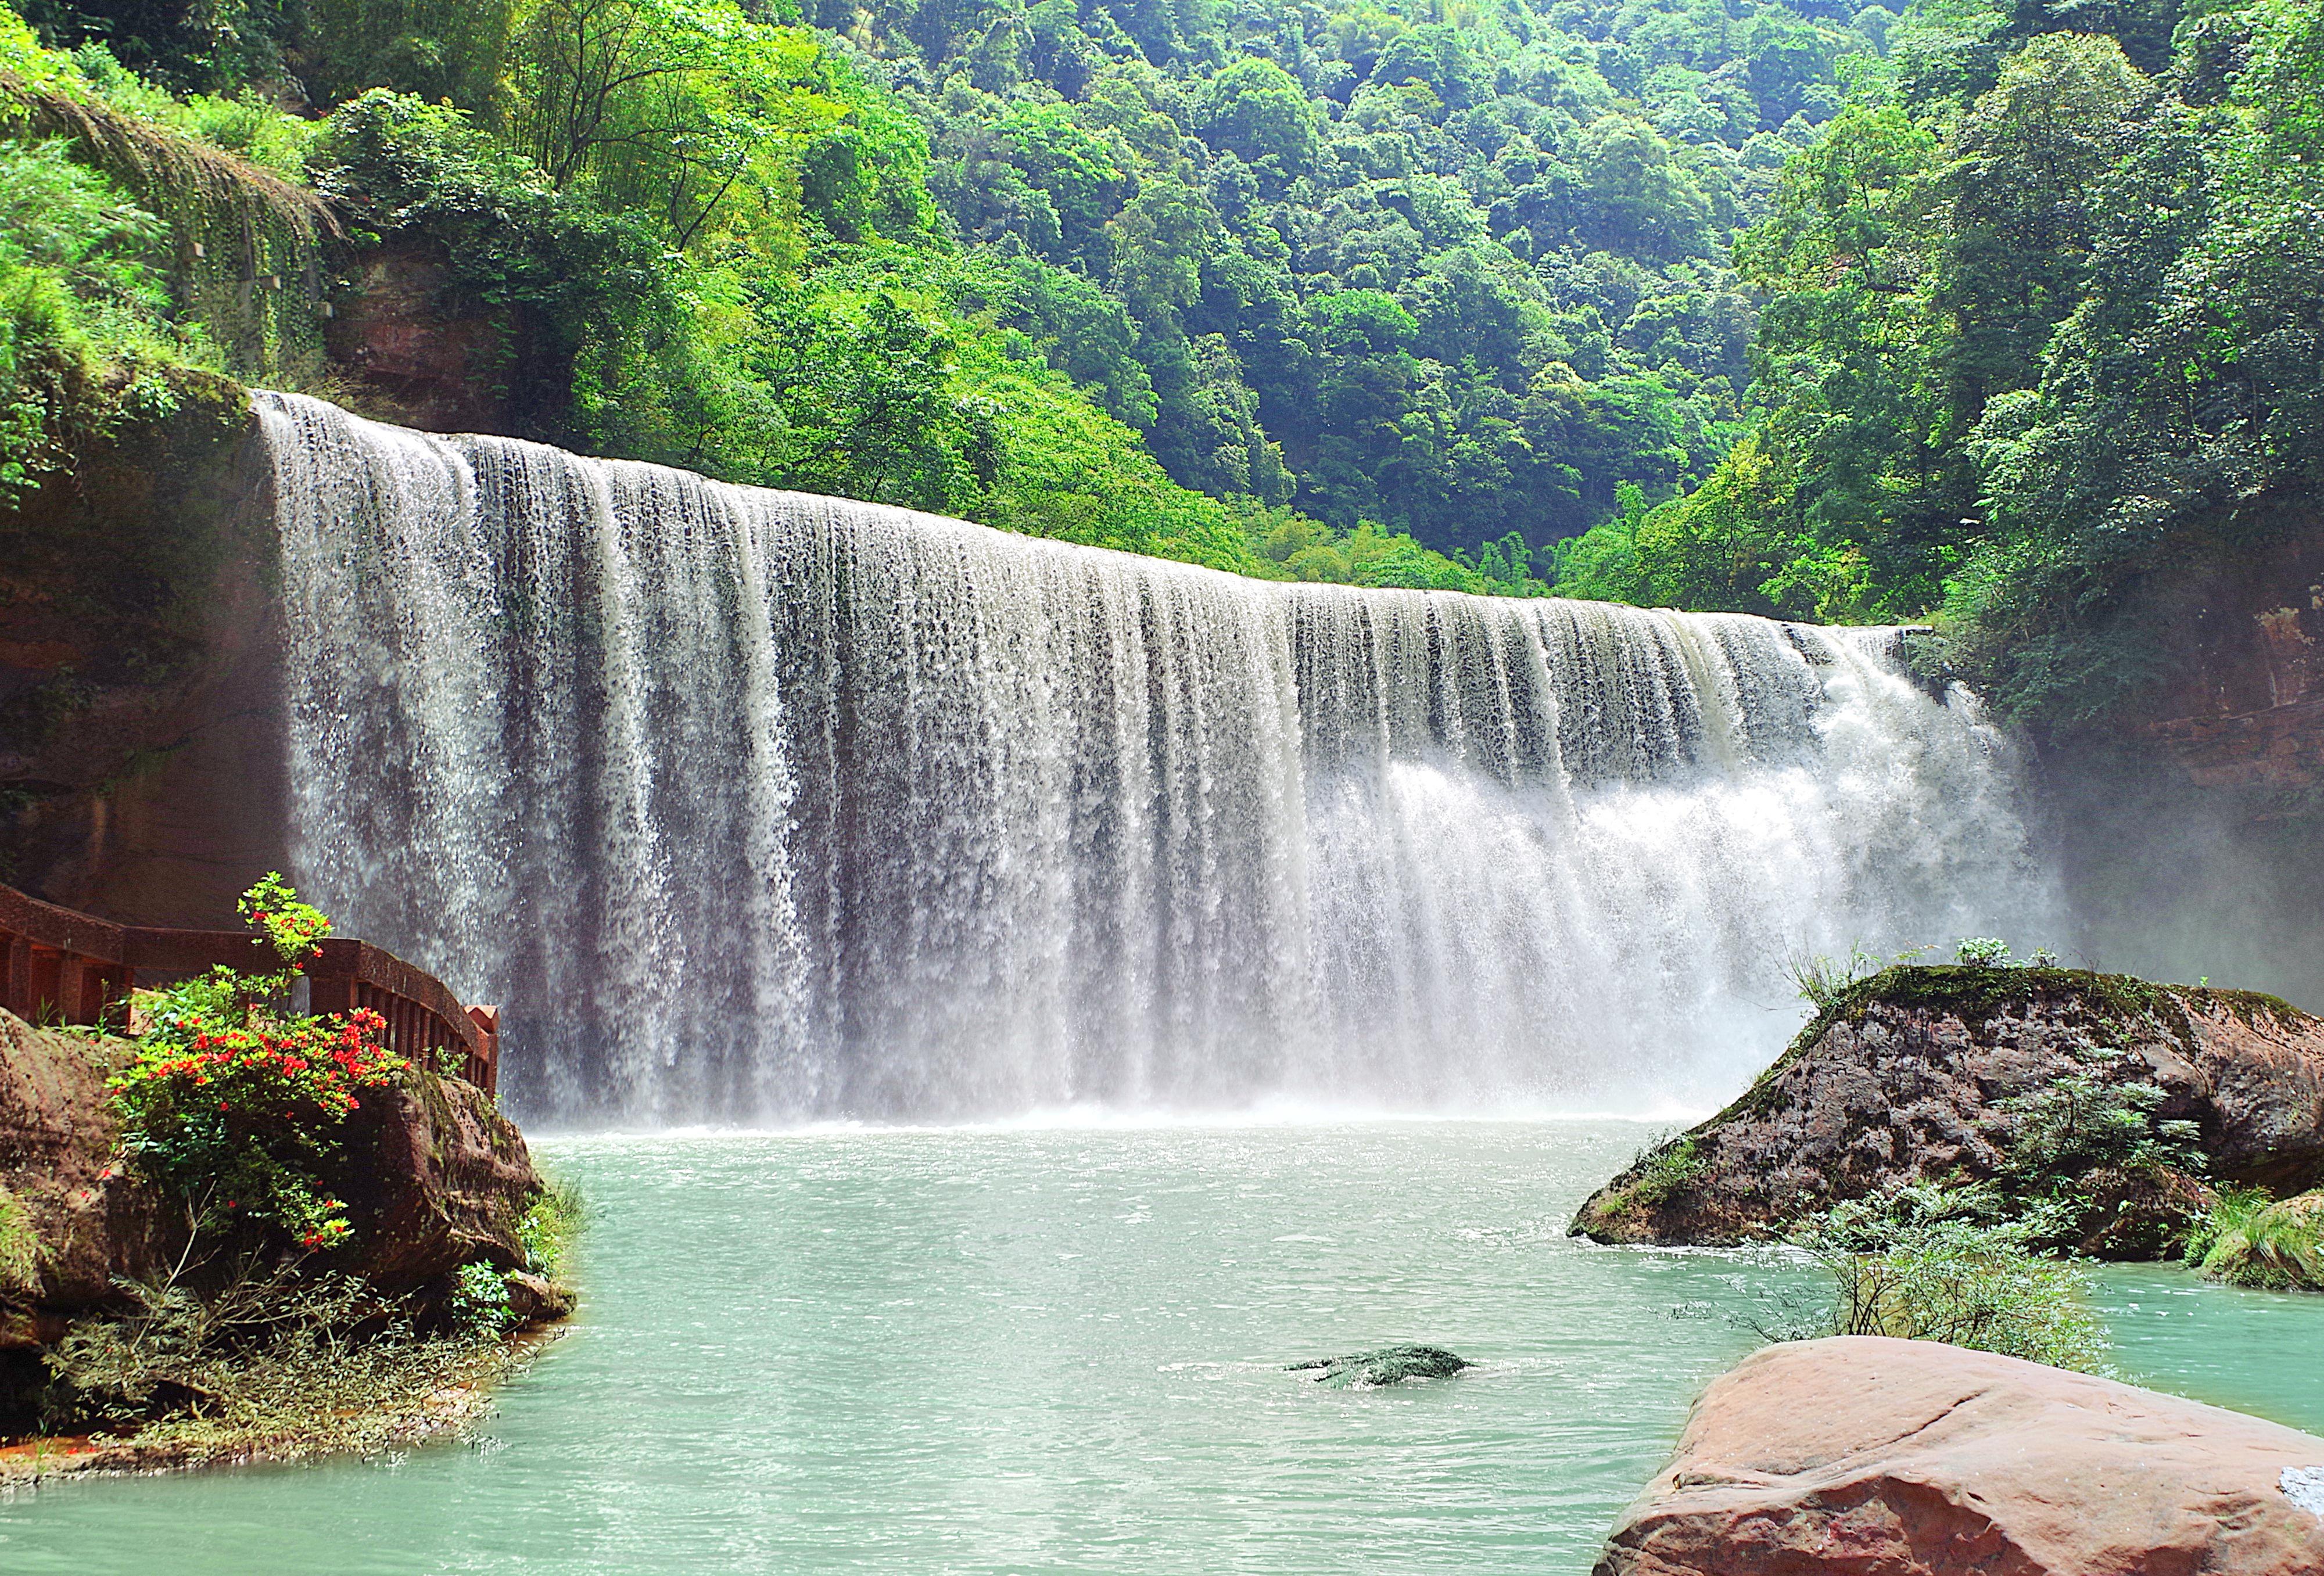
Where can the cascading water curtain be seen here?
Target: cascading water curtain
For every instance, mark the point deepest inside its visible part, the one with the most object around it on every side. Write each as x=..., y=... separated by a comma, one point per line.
x=757, y=807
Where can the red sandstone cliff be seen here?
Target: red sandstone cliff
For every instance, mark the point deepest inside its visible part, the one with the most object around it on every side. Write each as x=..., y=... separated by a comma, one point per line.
x=140, y=721
x=2245, y=710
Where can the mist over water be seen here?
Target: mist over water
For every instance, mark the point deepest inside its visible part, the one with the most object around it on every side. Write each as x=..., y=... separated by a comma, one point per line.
x=752, y=807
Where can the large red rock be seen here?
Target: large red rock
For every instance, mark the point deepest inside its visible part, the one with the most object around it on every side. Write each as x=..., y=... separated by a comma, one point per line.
x=434, y=1176
x=1907, y=1458
x=72, y=1222
x=437, y=1178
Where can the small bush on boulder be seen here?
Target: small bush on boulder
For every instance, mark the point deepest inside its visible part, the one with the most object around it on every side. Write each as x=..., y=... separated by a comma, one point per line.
x=2252, y=1240
x=1923, y=1263
x=234, y=1107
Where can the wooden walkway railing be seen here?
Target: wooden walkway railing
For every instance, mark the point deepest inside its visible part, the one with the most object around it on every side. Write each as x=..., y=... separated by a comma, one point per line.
x=60, y=966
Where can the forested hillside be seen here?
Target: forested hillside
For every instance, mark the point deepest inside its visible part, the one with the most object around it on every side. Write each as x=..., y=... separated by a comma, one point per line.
x=1772, y=304
x=1348, y=273
x=2041, y=314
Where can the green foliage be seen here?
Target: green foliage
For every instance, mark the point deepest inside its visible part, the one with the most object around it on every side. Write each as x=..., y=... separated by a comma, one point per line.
x=2232, y=1209
x=111, y=194
x=1925, y=1263
x=2080, y=1121
x=1971, y=310
x=20, y=1247
x=723, y=128
x=233, y=1107
x=2040, y=319
x=1659, y=1175
x=2183, y=391
x=1466, y=278
x=552, y=1222
x=2250, y=1239
x=265, y=1363
x=1824, y=982
x=1982, y=952
x=292, y=928
x=480, y=1299
x=1454, y=282
x=442, y=51
x=1257, y=111
x=84, y=302
x=880, y=373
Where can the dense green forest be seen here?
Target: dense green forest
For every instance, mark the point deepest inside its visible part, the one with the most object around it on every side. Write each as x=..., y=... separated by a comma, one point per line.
x=1770, y=305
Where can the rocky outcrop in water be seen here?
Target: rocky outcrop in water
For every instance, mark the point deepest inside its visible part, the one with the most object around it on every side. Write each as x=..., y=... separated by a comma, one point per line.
x=1911, y=1458
x=435, y=1178
x=1910, y=1078
x=1386, y=1365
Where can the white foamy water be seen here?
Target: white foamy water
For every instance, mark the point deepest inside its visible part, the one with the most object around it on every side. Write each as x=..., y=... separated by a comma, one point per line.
x=757, y=807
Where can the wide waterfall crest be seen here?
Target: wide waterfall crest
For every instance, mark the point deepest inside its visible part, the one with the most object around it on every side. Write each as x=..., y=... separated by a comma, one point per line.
x=754, y=807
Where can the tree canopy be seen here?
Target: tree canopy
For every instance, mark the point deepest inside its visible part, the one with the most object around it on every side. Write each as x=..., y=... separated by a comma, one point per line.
x=1965, y=310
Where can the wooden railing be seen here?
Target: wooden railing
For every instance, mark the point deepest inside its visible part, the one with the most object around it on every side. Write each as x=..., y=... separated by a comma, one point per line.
x=60, y=966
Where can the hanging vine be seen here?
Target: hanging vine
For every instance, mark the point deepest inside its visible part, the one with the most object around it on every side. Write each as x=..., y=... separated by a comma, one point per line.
x=245, y=244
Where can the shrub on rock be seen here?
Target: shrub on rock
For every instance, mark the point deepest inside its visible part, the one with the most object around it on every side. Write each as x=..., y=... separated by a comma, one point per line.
x=2102, y=1108
x=2278, y=1246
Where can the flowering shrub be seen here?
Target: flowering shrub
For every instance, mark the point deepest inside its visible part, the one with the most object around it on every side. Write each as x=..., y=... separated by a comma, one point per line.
x=235, y=1106
x=293, y=927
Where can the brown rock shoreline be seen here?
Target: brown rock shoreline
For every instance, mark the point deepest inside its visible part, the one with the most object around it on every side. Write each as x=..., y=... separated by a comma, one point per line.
x=435, y=1177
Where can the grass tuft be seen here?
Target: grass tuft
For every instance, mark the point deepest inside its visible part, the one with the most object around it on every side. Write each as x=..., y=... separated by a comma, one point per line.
x=2253, y=1240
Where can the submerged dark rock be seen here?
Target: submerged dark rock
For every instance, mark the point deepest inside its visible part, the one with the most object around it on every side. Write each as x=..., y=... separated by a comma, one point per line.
x=1909, y=1077
x=1385, y=1365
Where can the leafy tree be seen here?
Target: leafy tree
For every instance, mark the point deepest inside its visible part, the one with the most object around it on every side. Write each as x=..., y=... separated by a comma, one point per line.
x=1257, y=111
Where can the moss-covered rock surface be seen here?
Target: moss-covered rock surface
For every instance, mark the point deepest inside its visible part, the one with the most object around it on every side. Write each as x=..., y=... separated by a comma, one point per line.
x=2110, y=1106
x=2274, y=1244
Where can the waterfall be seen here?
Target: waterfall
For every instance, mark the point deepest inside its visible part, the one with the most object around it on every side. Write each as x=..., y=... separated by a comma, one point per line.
x=753, y=807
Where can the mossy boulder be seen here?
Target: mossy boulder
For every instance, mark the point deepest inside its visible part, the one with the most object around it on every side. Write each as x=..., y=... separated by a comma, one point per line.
x=2277, y=1247
x=1385, y=1365
x=1919, y=1075
x=435, y=1178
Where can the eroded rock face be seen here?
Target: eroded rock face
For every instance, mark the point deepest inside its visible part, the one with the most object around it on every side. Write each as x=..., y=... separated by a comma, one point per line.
x=1908, y=1457
x=141, y=716
x=87, y=1224
x=2242, y=707
x=422, y=345
x=435, y=1178
x=1904, y=1086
